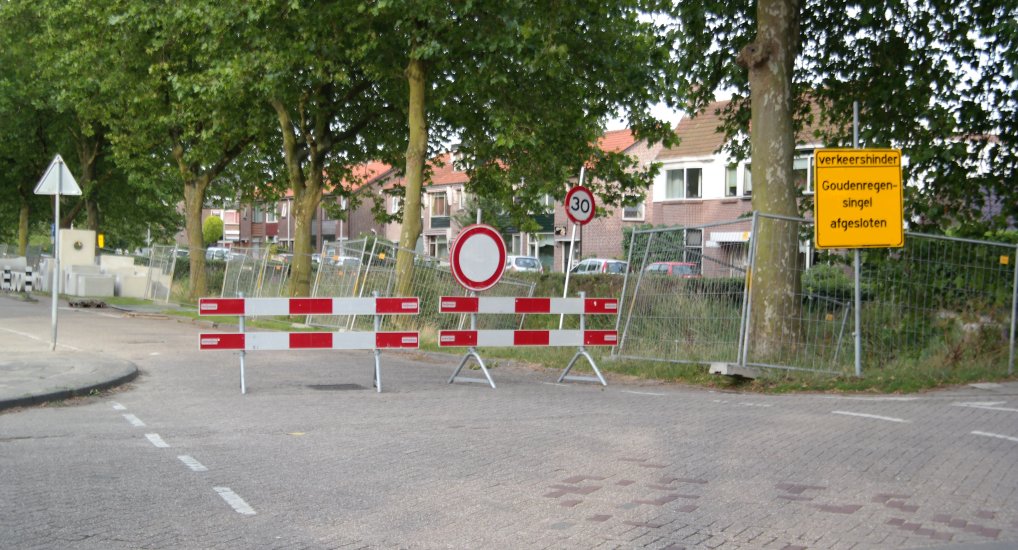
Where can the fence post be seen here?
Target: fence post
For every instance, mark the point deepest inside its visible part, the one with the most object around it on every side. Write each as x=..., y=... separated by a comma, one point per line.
x=636, y=290
x=747, y=295
x=1014, y=313
x=625, y=281
x=173, y=272
x=857, y=269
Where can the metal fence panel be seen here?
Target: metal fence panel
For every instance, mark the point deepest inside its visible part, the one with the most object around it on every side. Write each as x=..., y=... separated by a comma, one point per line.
x=939, y=299
x=942, y=298
x=815, y=333
x=683, y=296
x=161, y=266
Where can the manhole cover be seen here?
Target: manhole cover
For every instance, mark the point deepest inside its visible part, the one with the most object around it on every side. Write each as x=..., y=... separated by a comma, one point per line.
x=336, y=387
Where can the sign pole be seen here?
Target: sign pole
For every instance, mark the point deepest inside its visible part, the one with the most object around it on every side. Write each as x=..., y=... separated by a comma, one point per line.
x=54, y=183
x=857, y=262
x=568, y=263
x=56, y=254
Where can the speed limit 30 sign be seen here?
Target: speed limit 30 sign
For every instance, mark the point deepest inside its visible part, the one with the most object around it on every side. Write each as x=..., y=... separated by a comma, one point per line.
x=580, y=205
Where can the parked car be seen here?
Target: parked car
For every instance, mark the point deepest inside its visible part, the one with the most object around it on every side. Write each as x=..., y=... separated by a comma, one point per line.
x=344, y=261
x=217, y=253
x=686, y=270
x=523, y=263
x=600, y=265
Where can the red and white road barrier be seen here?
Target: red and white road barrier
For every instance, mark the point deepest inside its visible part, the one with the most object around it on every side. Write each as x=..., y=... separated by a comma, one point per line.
x=473, y=338
x=513, y=338
x=259, y=341
x=309, y=306
x=495, y=304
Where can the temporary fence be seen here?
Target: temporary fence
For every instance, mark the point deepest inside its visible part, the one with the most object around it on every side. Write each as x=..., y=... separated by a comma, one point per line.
x=162, y=263
x=937, y=298
x=682, y=299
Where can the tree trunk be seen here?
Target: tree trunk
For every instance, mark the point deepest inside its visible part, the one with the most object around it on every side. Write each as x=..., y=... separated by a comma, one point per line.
x=23, y=213
x=307, y=195
x=416, y=150
x=194, y=200
x=305, y=204
x=775, y=278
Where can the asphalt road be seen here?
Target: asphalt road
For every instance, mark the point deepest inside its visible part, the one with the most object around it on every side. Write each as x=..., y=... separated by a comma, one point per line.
x=313, y=457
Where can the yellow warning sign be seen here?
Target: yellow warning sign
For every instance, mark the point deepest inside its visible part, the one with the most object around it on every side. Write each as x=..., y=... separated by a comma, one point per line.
x=858, y=200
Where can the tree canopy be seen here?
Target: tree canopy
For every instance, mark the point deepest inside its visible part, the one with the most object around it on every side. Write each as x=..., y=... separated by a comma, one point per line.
x=936, y=79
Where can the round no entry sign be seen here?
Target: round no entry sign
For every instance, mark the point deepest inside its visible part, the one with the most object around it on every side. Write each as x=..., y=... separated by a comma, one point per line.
x=477, y=258
x=580, y=205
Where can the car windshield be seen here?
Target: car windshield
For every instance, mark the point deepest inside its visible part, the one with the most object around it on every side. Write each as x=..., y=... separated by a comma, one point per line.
x=683, y=270
x=616, y=267
x=527, y=262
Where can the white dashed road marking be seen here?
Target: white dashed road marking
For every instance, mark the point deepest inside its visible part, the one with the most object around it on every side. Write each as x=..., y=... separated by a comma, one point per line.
x=193, y=464
x=987, y=405
x=873, y=416
x=156, y=440
x=119, y=407
x=134, y=420
x=234, y=500
x=998, y=436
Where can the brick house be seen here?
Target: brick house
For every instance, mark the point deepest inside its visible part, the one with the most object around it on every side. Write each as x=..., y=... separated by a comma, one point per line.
x=602, y=237
x=699, y=184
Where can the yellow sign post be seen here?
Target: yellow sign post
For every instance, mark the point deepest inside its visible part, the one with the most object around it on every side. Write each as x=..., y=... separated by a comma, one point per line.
x=858, y=200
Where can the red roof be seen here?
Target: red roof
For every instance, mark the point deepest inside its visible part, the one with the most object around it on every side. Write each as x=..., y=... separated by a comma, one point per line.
x=362, y=175
x=616, y=140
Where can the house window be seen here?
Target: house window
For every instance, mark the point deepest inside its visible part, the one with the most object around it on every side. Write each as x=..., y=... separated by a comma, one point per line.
x=747, y=180
x=633, y=213
x=270, y=214
x=395, y=205
x=438, y=246
x=800, y=174
x=683, y=183
x=439, y=204
x=517, y=245
x=457, y=197
x=694, y=246
x=731, y=180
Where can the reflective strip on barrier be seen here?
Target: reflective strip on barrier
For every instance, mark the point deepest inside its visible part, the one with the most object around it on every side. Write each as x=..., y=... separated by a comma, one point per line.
x=498, y=304
x=252, y=341
x=308, y=306
x=510, y=338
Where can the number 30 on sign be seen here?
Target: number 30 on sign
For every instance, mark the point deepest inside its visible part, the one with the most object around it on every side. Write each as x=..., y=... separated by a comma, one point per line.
x=580, y=205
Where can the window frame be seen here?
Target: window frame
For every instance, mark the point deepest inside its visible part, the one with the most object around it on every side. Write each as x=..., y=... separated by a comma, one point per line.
x=684, y=186
x=433, y=199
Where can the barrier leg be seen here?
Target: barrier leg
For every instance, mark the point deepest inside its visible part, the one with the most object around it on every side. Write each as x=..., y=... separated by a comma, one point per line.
x=378, y=371
x=582, y=352
x=243, y=386
x=471, y=352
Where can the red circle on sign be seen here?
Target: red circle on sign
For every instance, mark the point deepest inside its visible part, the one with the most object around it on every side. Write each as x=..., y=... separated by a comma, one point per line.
x=477, y=258
x=580, y=206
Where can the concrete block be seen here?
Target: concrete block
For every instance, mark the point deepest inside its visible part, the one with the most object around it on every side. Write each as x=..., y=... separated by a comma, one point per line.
x=95, y=285
x=132, y=286
x=732, y=369
x=77, y=247
x=110, y=263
